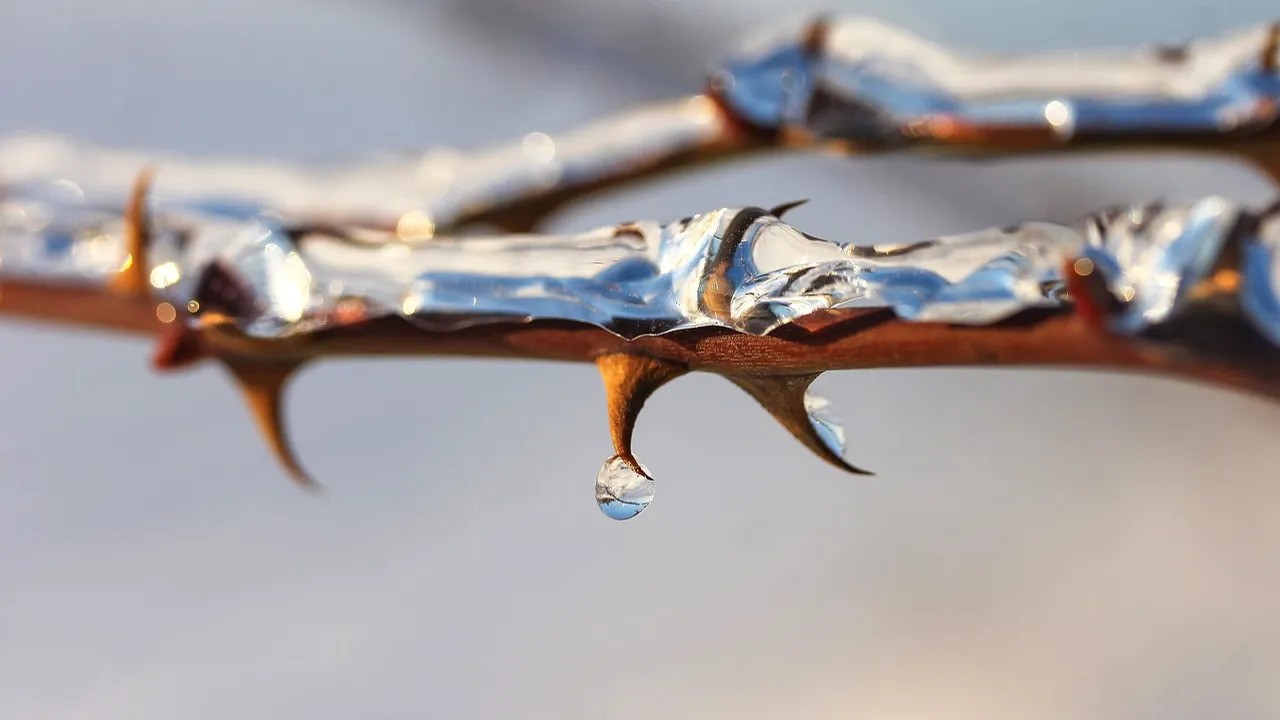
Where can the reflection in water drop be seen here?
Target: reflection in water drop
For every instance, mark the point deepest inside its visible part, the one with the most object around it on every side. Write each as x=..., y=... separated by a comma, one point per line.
x=824, y=422
x=623, y=488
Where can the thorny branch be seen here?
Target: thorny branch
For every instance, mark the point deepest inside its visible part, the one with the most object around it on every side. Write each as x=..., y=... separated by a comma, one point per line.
x=369, y=258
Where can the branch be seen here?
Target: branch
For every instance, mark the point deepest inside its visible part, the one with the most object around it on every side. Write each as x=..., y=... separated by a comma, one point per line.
x=849, y=86
x=265, y=267
x=1187, y=291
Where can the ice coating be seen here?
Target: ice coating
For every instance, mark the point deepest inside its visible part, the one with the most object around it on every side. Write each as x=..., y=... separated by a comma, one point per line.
x=846, y=79
x=1152, y=256
x=864, y=80
x=430, y=189
x=741, y=269
x=1260, y=292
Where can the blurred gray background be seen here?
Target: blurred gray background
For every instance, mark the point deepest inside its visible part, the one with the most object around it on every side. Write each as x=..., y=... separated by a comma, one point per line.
x=1036, y=544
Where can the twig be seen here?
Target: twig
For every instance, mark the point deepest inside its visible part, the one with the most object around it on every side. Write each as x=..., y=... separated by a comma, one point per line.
x=356, y=260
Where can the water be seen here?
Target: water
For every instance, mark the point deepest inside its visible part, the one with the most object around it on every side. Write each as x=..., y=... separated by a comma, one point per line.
x=623, y=488
x=825, y=423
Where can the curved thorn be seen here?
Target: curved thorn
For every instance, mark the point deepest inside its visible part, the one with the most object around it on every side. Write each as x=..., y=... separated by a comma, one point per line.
x=783, y=397
x=1268, y=164
x=779, y=210
x=1089, y=294
x=629, y=380
x=178, y=347
x=262, y=384
x=814, y=42
x=132, y=278
x=1270, y=59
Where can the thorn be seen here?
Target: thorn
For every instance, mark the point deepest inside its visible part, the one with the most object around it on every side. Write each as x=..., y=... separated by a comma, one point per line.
x=783, y=396
x=220, y=291
x=1089, y=293
x=1268, y=163
x=179, y=347
x=262, y=384
x=779, y=210
x=629, y=380
x=814, y=42
x=132, y=278
x=1270, y=60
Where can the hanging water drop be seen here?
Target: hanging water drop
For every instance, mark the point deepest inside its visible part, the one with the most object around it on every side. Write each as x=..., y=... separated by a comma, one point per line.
x=806, y=416
x=825, y=423
x=623, y=488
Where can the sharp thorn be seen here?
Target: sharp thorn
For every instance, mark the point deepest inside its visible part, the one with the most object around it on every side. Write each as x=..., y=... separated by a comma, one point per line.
x=1270, y=59
x=178, y=347
x=779, y=210
x=814, y=42
x=132, y=278
x=1270, y=166
x=783, y=397
x=262, y=384
x=629, y=380
x=1089, y=294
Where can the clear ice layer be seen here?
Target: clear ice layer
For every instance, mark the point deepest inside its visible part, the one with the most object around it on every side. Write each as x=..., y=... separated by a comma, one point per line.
x=844, y=78
x=740, y=269
x=864, y=80
x=1259, y=296
x=420, y=191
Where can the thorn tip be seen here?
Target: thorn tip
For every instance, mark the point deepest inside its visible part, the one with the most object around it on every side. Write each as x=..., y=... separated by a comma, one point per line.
x=262, y=383
x=783, y=397
x=779, y=210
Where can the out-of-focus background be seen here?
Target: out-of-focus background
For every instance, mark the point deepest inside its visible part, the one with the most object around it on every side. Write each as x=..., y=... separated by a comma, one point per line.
x=1036, y=544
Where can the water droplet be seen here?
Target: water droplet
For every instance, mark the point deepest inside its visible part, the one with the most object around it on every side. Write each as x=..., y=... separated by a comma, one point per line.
x=623, y=488
x=825, y=422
